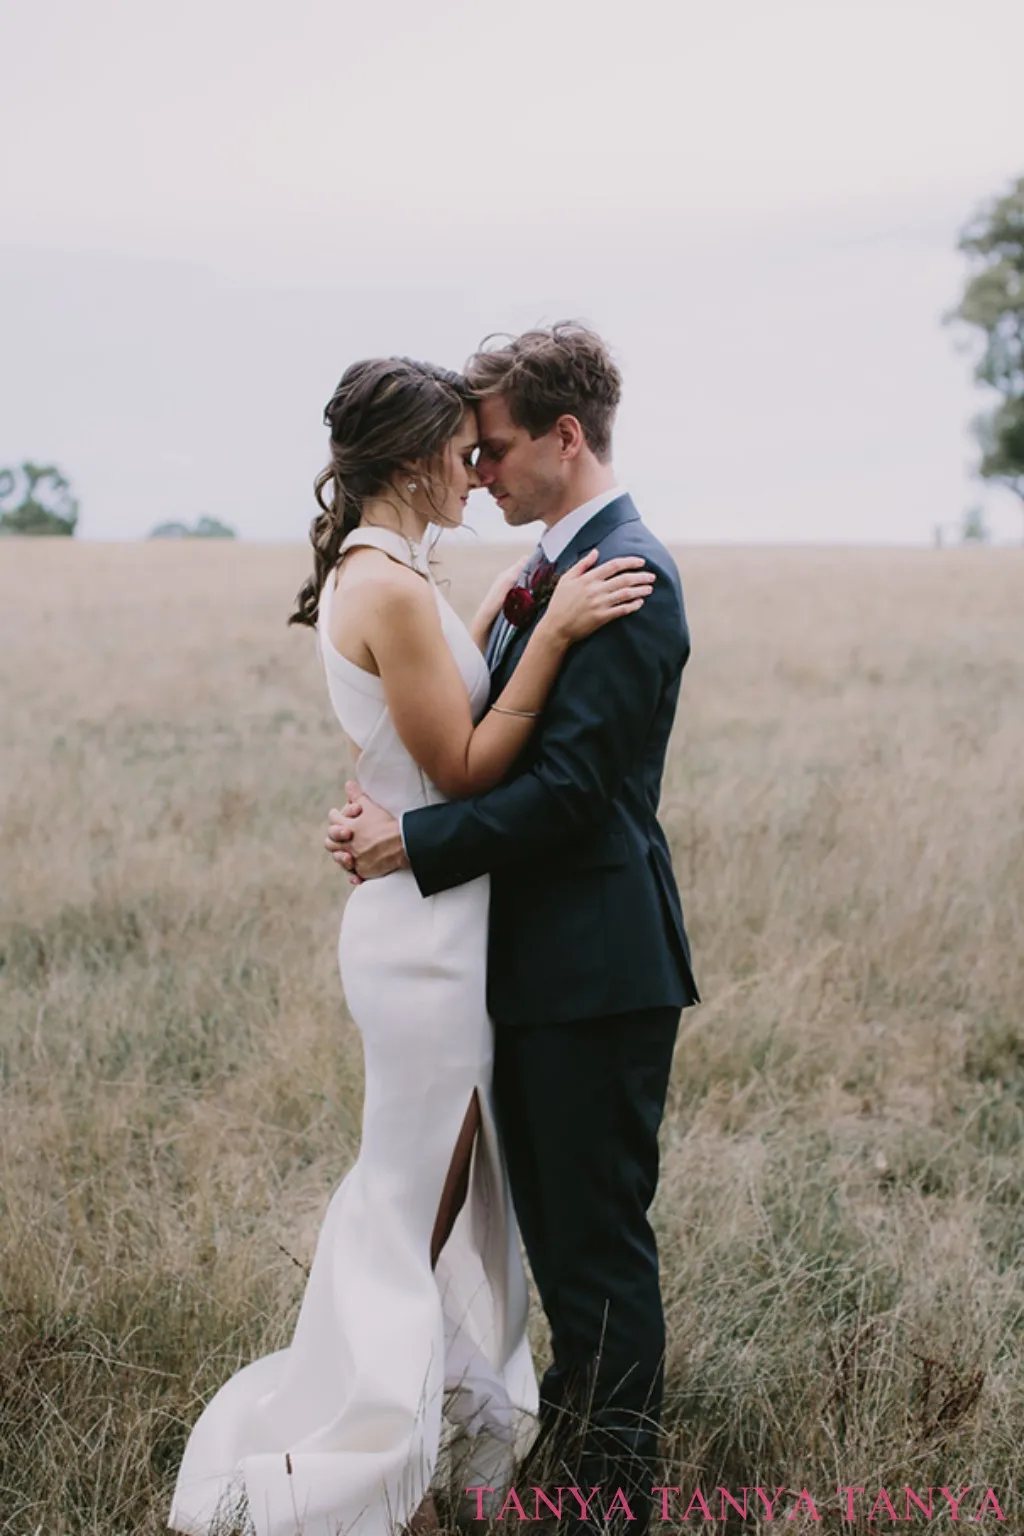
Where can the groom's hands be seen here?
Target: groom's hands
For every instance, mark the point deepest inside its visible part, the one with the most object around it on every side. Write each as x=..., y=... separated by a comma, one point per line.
x=365, y=840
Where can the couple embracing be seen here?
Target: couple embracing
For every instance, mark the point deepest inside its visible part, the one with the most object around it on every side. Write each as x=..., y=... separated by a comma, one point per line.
x=513, y=956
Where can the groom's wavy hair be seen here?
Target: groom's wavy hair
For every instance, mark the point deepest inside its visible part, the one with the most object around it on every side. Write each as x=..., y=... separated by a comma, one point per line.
x=564, y=370
x=387, y=415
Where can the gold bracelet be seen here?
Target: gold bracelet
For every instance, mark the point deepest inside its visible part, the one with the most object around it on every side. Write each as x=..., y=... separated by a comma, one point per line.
x=524, y=714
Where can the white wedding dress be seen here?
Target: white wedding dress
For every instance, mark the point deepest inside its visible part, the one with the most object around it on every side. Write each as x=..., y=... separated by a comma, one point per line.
x=340, y=1432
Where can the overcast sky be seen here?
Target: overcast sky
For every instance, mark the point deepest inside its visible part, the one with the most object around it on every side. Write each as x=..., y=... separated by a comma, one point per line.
x=208, y=209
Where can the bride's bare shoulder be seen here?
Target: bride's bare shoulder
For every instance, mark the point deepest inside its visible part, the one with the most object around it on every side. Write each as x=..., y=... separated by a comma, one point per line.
x=371, y=574
x=375, y=598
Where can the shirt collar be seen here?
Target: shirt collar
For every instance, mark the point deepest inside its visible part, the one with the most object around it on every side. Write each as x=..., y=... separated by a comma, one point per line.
x=555, y=540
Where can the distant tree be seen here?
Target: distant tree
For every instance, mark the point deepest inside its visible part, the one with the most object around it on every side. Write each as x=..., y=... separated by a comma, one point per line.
x=212, y=528
x=170, y=531
x=36, y=499
x=973, y=527
x=205, y=528
x=993, y=303
x=1000, y=435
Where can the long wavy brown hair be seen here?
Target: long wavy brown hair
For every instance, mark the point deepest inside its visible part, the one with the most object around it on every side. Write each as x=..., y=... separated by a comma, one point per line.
x=387, y=415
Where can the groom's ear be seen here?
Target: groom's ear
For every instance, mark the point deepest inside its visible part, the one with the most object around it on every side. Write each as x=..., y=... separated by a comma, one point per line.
x=570, y=437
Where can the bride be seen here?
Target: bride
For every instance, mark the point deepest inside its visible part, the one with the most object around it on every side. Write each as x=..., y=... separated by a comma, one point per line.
x=416, y=1299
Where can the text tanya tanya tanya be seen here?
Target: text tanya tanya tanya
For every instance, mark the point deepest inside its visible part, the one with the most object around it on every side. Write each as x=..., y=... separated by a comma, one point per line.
x=849, y=1502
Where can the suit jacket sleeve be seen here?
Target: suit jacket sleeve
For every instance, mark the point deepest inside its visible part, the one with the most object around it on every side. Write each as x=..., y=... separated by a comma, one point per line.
x=598, y=715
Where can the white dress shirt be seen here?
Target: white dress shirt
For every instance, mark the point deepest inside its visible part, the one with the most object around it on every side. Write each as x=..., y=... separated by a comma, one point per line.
x=561, y=534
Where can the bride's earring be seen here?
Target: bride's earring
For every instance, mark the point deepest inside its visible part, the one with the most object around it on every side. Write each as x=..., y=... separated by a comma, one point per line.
x=411, y=487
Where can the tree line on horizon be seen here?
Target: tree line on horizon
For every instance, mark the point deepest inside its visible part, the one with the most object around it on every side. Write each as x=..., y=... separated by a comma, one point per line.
x=203, y=528
x=36, y=499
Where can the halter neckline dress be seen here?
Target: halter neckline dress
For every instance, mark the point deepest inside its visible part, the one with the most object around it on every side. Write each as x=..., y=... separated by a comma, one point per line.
x=340, y=1432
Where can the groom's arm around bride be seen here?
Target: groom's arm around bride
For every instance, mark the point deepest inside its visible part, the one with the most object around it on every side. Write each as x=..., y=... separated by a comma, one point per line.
x=585, y=914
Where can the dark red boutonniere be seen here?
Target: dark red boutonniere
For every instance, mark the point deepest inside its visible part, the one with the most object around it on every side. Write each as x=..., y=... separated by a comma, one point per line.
x=525, y=600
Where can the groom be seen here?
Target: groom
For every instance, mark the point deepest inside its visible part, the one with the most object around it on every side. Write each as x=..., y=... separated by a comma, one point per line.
x=588, y=960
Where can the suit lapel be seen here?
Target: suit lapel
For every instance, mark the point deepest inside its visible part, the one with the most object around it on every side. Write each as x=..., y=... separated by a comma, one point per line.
x=617, y=512
x=501, y=629
x=506, y=643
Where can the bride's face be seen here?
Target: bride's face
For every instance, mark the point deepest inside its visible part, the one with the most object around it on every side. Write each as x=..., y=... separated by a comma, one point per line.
x=457, y=475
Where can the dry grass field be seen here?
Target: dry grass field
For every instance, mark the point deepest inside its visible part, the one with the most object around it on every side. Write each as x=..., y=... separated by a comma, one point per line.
x=842, y=1202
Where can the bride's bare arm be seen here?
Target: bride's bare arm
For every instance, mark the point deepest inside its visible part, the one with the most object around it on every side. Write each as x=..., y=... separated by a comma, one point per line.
x=424, y=690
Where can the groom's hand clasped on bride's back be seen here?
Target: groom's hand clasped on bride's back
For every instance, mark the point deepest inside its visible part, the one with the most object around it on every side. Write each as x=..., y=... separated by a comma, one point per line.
x=363, y=832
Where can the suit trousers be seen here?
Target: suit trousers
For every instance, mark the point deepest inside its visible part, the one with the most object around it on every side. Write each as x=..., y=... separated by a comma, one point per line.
x=579, y=1106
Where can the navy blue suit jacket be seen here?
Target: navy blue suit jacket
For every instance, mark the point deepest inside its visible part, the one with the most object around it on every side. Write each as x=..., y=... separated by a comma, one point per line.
x=585, y=917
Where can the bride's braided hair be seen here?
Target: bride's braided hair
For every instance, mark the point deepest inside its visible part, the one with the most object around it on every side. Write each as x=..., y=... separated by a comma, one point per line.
x=386, y=415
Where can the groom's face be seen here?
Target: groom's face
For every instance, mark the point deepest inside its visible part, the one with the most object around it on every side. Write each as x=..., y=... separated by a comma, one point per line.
x=524, y=474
